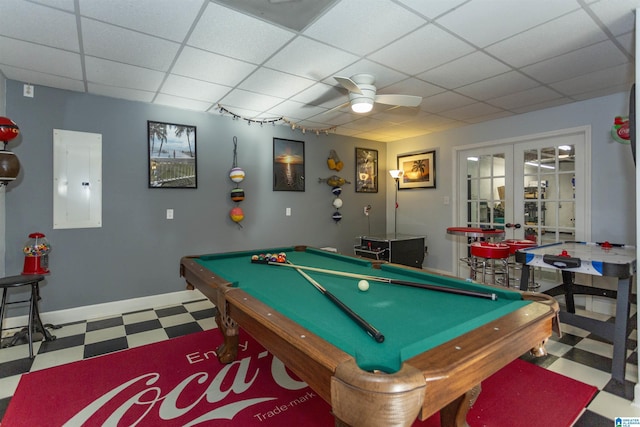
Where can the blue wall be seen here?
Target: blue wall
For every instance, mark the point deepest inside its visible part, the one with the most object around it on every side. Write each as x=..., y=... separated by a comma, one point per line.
x=137, y=250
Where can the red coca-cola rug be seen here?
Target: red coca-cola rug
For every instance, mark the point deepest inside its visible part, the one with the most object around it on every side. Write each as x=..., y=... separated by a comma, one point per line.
x=179, y=382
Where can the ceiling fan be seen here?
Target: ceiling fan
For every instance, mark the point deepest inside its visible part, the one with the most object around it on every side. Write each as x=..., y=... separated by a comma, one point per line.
x=362, y=94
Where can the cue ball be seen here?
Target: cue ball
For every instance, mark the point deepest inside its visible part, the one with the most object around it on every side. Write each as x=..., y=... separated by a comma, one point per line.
x=363, y=285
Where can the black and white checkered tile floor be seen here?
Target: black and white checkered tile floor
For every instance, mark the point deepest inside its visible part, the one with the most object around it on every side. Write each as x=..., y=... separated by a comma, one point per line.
x=577, y=354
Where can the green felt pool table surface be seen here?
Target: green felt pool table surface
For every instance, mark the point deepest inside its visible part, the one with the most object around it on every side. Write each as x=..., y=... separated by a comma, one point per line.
x=438, y=346
x=412, y=320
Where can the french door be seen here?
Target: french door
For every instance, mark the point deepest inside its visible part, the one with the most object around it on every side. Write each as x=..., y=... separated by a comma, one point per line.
x=533, y=187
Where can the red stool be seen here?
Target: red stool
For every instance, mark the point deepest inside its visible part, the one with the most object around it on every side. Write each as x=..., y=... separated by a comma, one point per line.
x=516, y=245
x=492, y=259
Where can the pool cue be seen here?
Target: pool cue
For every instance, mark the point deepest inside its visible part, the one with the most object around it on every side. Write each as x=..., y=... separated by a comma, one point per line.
x=369, y=329
x=477, y=294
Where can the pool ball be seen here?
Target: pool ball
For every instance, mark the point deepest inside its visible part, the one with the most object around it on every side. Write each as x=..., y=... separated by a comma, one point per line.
x=363, y=285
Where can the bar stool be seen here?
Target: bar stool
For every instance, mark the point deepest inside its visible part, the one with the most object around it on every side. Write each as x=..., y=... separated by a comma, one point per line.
x=515, y=245
x=35, y=323
x=475, y=234
x=490, y=258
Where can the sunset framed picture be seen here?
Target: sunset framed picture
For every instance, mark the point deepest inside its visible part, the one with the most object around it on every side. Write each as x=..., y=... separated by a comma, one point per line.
x=288, y=165
x=419, y=170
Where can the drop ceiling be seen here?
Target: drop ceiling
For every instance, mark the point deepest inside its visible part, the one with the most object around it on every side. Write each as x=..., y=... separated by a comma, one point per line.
x=470, y=60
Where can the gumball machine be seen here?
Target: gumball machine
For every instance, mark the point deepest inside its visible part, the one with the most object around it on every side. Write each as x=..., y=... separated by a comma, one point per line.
x=36, y=254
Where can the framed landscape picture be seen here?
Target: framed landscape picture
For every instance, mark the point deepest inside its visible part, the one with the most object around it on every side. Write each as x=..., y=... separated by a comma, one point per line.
x=366, y=170
x=172, y=155
x=419, y=170
x=288, y=165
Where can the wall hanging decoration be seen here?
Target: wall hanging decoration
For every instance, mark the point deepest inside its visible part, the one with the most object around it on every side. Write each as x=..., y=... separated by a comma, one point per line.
x=337, y=203
x=418, y=170
x=288, y=165
x=9, y=164
x=172, y=155
x=237, y=194
x=334, y=162
x=366, y=170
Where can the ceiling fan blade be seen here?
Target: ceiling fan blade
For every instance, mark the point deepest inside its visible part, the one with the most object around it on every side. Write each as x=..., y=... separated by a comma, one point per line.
x=400, y=100
x=349, y=84
x=338, y=107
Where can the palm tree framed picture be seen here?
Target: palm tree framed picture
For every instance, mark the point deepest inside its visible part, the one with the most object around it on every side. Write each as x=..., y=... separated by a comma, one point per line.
x=172, y=155
x=419, y=170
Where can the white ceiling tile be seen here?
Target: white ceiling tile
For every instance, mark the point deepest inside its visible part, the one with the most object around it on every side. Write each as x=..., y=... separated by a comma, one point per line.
x=275, y=83
x=348, y=25
x=43, y=79
x=296, y=109
x=426, y=48
x=576, y=63
x=484, y=22
x=499, y=115
x=163, y=18
x=194, y=89
x=36, y=57
x=445, y=101
x=127, y=46
x=501, y=85
x=122, y=75
x=618, y=16
x=321, y=94
x=432, y=8
x=412, y=86
x=599, y=79
x=628, y=43
x=466, y=112
x=311, y=59
x=211, y=67
x=542, y=105
x=121, y=93
x=462, y=71
x=527, y=97
x=573, y=31
x=184, y=103
x=224, y=31
x=58, y=4
x=39, y=24
x=250, y=100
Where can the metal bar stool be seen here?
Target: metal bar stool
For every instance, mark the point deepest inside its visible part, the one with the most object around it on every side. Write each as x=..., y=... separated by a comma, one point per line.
x=35, y=323
x=490, y=258
x=474, y=234
x=515, y=245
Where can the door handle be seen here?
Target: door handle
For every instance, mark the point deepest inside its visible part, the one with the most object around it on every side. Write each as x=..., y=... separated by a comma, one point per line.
x=509, y=225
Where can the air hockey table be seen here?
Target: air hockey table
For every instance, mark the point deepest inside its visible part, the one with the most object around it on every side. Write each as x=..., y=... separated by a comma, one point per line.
x=597, y=259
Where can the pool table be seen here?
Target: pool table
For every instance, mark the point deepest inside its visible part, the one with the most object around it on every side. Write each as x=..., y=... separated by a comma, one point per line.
x=438, y=346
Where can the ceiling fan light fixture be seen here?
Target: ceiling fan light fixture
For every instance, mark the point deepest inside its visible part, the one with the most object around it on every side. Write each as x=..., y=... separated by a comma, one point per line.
x=361, y=105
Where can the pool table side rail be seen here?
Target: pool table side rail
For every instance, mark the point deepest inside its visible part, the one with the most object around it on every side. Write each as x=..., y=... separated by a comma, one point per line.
x=481, y=353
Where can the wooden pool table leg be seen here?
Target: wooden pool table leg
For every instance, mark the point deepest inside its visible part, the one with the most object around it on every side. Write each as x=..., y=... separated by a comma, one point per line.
x=227, y=351
x=455, y=413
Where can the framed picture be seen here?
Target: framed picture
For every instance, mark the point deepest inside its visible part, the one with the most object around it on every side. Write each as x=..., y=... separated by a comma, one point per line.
x=288, y=165
x=366, y=170
x=419, y=170
x=172, y=155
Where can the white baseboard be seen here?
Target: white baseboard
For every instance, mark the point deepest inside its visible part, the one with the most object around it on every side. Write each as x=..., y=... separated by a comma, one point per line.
x=96, y=311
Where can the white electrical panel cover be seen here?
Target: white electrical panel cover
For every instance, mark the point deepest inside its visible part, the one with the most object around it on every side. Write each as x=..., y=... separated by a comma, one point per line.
x=77, y=179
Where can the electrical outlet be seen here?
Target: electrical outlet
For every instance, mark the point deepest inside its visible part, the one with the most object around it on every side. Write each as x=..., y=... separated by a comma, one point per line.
x=27, y=90
x=287, y=211
x=169, y=213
